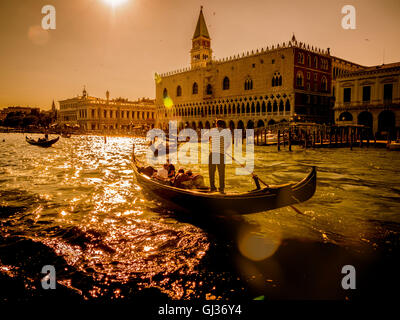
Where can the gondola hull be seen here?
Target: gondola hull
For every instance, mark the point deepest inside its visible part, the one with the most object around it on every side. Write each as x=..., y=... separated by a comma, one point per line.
x=265, y=199
x=44, y=144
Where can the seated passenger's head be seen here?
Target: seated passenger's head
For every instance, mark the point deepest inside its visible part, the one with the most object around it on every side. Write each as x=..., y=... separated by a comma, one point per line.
x=181, y=171
x=189, y=173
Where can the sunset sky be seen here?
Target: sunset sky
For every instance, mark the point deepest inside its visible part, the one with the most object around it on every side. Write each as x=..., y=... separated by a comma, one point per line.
x=120, y=48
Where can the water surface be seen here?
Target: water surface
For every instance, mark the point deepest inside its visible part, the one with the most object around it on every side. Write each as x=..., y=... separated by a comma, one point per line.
x=78, y=207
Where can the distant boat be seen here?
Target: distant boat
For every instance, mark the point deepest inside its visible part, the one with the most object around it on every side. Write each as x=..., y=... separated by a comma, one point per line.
x=66, y=135
x=394, y=146
x=272, y=138
x=42, y=142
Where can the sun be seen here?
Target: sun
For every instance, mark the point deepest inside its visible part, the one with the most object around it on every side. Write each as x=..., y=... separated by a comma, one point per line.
x=115, y=3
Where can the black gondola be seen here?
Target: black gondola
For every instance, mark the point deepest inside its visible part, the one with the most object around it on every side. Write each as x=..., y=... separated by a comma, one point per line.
x=206, y=202
x=42, y=143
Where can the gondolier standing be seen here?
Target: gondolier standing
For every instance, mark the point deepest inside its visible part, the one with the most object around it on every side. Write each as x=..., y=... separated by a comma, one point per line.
x=216, y=160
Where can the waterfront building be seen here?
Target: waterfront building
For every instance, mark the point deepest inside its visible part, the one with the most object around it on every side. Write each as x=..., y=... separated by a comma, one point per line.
x=370, y=97
x=18, y=109
x=97, y=114
x=289, y=81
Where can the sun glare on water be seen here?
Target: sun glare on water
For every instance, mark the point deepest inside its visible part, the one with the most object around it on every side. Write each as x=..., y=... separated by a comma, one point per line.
x=115, y=3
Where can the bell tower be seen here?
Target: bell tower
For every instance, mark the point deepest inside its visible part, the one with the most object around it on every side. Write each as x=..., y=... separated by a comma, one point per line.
x=201, y=52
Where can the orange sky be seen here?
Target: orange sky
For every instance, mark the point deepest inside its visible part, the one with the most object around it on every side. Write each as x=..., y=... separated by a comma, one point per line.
x=120, y=49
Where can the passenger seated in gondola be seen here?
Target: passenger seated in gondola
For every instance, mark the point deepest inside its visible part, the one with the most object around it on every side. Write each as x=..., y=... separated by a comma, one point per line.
x=180, y=178
x=162, y=174
x=148, y=171
x=171, y=170
x=198, y=181
x=187, y=180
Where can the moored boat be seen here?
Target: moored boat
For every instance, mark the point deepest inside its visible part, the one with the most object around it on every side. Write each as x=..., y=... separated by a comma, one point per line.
x=394, y=146
x=206, y=202
x=42, y=143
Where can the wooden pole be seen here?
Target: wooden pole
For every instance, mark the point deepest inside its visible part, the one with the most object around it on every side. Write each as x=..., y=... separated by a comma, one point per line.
x=279, y=140
x=258, y=137
x=341, y=136
x=305, y=139
x=284, y=139
x=290, y=140
x=313, y=141
x=336, y=137
x=351, y=139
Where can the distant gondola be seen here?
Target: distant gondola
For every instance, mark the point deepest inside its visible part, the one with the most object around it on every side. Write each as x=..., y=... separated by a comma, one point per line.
x=206, y=202
x=42, y=143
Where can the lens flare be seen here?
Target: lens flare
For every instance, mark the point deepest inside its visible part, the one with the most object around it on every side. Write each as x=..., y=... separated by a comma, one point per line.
x=168, y=103
x=257, y=248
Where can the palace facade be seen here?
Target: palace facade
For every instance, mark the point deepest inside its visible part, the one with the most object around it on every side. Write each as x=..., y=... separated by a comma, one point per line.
x=96, y=114
x=370, y=97
x=289, y=81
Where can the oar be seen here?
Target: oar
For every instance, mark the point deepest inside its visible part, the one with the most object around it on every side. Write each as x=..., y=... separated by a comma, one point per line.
x=253, y=175
x=243, y=166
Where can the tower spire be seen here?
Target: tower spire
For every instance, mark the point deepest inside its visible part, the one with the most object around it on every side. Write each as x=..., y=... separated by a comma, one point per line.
x=201, y=28
x=201, y=52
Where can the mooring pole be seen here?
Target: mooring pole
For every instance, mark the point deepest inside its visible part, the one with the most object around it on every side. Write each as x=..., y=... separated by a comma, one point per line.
x=279, y=140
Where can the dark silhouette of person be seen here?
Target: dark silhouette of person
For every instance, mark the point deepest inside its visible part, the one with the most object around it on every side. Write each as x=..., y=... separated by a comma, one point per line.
x=213, y=163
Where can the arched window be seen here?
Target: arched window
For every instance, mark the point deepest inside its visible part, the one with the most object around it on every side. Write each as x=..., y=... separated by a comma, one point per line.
x=209, y=89
x=300, y=58
x=275, y=109
x=281, y=106
x=287, y=106
x=195, y=88
x=248, y=84
x=165, y=93
x=324, y=84
x=315, y=62
x=225, y=84
x=269, y=107
x=277, y=80
x=309, y=60
x=178, y=91
x=299, y=79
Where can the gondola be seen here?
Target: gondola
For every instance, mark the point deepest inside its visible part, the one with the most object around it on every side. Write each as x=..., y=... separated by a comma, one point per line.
x=42, y=143
x=206, y=202
x=394, y=146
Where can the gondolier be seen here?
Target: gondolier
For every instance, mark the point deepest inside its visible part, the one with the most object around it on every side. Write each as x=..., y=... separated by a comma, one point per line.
x=216, y=160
